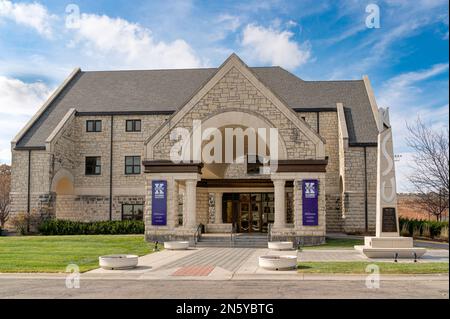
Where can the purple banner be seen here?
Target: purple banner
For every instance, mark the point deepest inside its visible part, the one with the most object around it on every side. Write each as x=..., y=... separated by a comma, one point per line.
x=310, y=204
x=159, y=203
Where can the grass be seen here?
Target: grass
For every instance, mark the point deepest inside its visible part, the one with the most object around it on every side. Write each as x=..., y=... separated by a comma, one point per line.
x=359, y=267
x=54, y=253
x=338, y=243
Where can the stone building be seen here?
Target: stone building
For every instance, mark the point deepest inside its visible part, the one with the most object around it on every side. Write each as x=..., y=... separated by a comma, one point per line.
x=96, y=147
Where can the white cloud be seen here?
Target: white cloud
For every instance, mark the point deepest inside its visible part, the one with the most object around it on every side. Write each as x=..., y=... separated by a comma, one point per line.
x=411, y=95
x=222, y=26
x=18, y=102
x=230, y=22
x=33, y=15
x=20, y=98
x=125, y=44
x=275, y=47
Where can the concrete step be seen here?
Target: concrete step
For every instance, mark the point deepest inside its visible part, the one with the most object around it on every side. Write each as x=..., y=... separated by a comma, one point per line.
x=241, y=241
x=230, y=244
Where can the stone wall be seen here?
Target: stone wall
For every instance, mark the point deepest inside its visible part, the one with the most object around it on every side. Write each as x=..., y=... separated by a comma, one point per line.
x=354, y=219
x=326, y=124
x=92, y=208
x=41, y=199
x=202, y=206
x=90, y=200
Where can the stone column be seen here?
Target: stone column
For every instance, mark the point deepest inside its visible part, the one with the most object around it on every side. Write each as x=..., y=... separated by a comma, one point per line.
x=191, y=203
x=173, y=212
x=218, y=208
x=280, y=203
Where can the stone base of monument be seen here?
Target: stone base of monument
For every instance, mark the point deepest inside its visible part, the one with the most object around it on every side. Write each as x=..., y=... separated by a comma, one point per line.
x=390, y=247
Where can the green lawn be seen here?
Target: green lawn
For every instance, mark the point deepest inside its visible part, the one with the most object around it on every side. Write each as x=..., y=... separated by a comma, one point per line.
x=359, y=267
x=54, y=253
x=338, y=243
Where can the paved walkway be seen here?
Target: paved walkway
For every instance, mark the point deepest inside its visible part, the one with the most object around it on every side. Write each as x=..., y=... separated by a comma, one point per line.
x=239, y=264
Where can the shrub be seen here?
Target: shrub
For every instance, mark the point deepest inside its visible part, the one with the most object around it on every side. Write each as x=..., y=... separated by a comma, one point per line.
x=426, y=230
x=405, y=230
x=67, y=227
x=416, y=231
x=431, y=230
x=444, y=233
x=21, y=221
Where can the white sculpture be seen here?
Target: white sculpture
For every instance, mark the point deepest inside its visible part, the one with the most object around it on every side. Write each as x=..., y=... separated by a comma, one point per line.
x=387, y=242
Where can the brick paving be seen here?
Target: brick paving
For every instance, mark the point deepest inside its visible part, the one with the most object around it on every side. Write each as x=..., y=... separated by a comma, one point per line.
x=194, y=271
x=226, y=258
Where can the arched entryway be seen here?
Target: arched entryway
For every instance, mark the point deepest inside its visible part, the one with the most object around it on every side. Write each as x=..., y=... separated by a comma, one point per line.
x=63, y=187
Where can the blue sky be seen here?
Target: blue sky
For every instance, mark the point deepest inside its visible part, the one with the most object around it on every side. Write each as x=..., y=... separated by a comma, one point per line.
x=406, y=58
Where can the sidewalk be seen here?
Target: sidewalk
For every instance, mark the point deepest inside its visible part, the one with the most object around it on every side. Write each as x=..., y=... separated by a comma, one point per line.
x=239, y=264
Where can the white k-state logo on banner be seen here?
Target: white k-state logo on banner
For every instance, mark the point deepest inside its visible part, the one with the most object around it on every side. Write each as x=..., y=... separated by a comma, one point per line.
x=310, y=190
x=159, y=190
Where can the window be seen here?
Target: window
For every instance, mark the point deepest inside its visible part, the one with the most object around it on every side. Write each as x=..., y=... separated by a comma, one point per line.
x=254, y=164
x=93, y=165
x=132, y=165
x=132, y=211
x=133, y=125
x=93, y=126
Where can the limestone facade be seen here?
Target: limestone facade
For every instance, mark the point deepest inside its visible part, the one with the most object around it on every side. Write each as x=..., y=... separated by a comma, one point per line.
x=52, y=179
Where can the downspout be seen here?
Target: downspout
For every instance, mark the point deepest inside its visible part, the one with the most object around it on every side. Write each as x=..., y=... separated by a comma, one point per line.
x=111, y=168
x=318, y=122
x=366, y=207
x=29, y=191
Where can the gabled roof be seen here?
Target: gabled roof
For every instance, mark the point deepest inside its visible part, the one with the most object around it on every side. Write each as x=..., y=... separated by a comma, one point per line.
x=164, y=91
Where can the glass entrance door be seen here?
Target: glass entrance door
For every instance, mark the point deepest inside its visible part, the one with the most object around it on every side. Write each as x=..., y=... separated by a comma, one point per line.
x=250, y=212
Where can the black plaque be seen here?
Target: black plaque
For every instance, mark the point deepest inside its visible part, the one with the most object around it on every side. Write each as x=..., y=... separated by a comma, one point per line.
x=389, y=220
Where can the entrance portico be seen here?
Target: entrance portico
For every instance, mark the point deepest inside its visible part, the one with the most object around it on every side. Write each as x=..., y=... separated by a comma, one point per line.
x=249, y=204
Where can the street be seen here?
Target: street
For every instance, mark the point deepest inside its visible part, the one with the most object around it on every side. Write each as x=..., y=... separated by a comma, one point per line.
x=47, y=287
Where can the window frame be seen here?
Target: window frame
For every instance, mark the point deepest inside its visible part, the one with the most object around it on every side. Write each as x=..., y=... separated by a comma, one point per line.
x=133, y=165
x=98, y=163
x=94, y=126
x=133, y=211
x=133, y=125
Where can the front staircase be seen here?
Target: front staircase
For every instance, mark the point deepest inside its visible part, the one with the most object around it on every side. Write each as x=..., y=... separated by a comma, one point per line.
x=239, y=240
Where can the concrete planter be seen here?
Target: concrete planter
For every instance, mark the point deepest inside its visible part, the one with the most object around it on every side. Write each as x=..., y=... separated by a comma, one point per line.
x=280, y=245
x=118, y=261
x=278, y=262
x=176, y=245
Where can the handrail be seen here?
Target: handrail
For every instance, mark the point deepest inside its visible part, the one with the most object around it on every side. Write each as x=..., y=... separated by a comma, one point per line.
x=198, y=234
x=269, y=231
x=233, y=229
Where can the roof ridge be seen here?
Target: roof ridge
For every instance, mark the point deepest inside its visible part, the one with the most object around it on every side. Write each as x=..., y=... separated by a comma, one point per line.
x=145, y=70
x=178, y=69
x=330, y=81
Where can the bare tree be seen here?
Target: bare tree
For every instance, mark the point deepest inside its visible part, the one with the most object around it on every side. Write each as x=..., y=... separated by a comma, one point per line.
x=430, y=176
x=5, y=188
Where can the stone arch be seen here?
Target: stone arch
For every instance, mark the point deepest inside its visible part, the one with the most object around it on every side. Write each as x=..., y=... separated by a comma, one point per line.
x=245, y=119
x=237, y=118
x=63, y=182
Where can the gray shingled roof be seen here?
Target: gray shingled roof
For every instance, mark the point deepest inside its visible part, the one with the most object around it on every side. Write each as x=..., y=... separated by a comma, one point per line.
x=167, y=90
